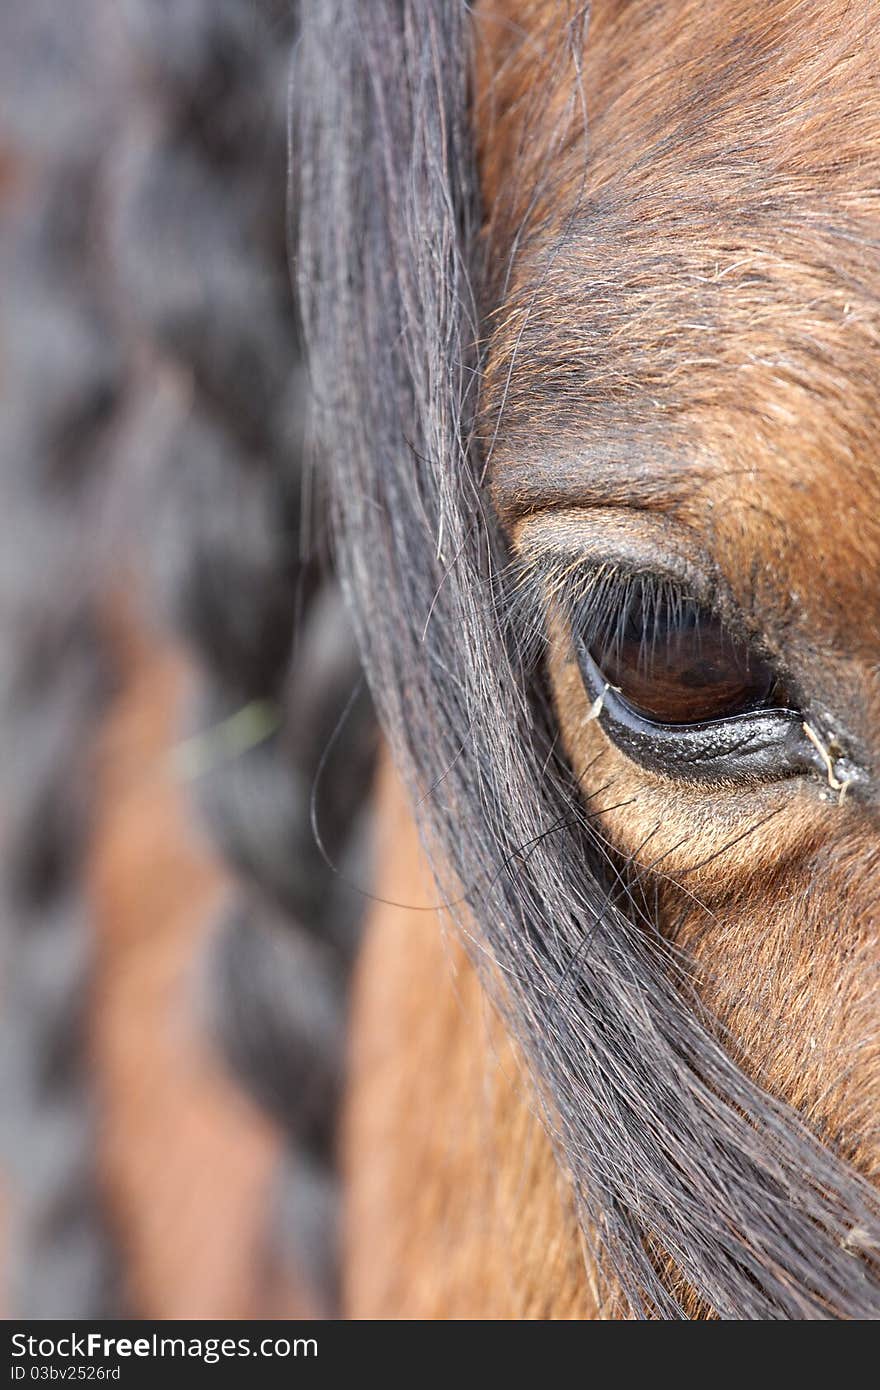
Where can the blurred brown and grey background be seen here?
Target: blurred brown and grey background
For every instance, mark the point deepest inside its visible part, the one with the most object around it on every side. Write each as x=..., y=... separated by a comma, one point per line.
x=186, y=747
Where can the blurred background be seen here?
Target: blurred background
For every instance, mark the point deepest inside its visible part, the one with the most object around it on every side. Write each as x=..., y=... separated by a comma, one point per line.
x=186, y=746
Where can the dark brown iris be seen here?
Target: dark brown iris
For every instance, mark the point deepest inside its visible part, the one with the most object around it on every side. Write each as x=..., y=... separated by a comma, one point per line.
x=676, y=663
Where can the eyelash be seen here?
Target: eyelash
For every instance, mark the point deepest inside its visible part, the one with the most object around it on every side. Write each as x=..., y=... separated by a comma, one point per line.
x=600, y=601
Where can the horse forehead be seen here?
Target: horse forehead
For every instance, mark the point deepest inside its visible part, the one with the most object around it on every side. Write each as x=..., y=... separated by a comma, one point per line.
x=746, y=348
x=696, y=274
x=755, y=83
x=725, y=370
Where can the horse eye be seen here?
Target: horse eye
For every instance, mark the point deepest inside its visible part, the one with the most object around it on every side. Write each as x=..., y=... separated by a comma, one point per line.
x=674, y=662
x=679, y=692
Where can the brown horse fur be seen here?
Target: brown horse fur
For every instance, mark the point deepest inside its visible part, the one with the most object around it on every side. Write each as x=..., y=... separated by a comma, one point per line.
x=683, y=354
x=445, y=1154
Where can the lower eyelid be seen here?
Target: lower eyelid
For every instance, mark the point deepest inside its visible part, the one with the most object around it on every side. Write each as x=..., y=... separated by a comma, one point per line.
x=761, y=745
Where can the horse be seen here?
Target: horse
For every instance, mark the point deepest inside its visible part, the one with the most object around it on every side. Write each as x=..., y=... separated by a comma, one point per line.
x=591, y=307
x=586, y=298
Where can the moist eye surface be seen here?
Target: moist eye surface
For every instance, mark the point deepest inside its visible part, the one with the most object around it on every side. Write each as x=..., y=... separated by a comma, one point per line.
x=674, y=661
x=675, y=685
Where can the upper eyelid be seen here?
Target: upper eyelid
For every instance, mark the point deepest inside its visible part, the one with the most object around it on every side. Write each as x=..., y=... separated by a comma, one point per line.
x=577, y=584
x=549, y=546
x=556, y=558
x=581, y=592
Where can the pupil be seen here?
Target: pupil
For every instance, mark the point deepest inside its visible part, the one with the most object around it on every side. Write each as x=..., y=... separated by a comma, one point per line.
x=676, y=663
